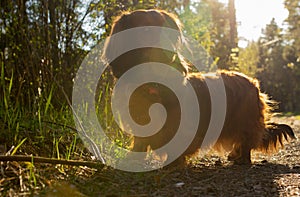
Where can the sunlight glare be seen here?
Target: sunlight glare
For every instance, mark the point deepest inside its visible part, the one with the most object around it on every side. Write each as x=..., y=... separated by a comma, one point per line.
x=255, y=14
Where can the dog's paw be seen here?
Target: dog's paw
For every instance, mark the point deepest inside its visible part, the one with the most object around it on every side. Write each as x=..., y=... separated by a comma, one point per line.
x=242, y=161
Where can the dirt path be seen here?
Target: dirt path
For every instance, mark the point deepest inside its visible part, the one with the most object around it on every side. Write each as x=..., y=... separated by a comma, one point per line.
x=270, y=175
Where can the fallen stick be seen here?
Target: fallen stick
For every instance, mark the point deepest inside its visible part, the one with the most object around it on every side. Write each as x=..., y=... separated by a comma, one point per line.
x=34, y=159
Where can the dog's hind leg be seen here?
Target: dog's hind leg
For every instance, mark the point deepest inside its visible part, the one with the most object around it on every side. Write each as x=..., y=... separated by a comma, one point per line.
x=245, y=157
x=241, y=154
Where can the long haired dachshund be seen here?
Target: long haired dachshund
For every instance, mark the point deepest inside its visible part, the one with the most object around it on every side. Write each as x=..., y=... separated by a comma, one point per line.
x=247, y=123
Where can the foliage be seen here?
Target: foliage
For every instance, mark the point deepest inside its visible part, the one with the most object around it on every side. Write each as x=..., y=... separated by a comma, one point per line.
x=220, y=33
x=293, y=6
x=213, y=25
x=248, y=59
x=275, y=72
x=274, y=59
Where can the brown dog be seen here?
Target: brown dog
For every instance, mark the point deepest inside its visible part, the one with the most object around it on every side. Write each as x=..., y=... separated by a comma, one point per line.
x=246, y=124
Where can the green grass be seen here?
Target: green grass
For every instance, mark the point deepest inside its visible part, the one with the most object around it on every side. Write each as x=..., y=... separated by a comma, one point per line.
x=48, y=131
x=23, y=127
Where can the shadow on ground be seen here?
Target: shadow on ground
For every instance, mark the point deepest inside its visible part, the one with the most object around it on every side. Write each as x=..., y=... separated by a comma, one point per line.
x=213, y=180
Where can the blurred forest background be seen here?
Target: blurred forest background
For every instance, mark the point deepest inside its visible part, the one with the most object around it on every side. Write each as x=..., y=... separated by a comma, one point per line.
x=43, y=42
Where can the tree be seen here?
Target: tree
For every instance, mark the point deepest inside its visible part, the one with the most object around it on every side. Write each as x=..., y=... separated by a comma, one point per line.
x=213, y=25
x=232, y=22
x=220, y=33
x=41, y=47
x=274, y=74
x=292, y=50
x=293, y=6
x=196, y=21
x=248, y=59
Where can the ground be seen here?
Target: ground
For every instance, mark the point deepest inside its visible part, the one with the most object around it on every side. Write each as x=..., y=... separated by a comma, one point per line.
x=269, y=175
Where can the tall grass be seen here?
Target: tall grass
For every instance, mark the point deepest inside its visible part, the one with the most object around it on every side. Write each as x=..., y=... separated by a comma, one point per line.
x=107, y=121
x=24, y=127
x=44, y=129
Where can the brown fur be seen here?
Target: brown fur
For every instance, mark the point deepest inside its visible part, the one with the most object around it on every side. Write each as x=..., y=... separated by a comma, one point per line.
x=246, y=125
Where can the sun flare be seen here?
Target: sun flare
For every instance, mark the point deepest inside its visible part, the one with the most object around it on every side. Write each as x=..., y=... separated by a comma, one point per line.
x=253, y=15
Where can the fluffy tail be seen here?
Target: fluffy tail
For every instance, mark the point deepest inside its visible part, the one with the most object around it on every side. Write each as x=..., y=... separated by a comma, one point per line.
x=274, y=136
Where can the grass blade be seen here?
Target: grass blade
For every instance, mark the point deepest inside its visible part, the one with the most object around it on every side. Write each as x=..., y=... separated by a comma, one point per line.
x=18, y=146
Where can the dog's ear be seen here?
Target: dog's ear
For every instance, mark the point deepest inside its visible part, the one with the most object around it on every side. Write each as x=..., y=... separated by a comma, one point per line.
x=178, y=40
x=171, y=21
x=111, y=49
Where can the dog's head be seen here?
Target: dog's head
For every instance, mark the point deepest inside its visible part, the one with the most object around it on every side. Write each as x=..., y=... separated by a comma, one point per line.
x=147, y=94
x=144, y=18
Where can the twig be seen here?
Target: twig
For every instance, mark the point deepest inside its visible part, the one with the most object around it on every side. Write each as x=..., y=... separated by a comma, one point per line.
x=23, y=158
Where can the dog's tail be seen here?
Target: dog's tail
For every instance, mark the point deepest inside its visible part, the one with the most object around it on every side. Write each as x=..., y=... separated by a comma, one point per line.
x=275, y=134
